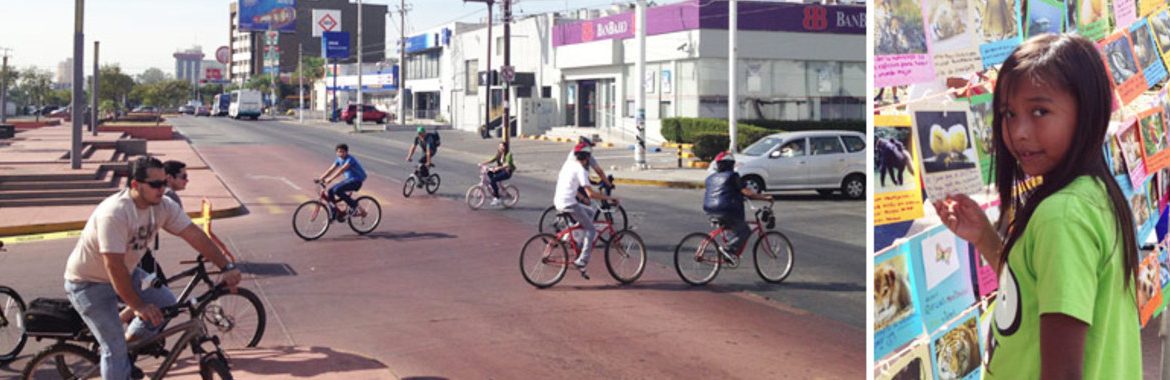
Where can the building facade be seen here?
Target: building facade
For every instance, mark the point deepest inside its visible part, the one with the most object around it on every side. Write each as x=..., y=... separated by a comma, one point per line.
x=578, y=69
x=189, y=65
x=64, y=77
x=248, y=47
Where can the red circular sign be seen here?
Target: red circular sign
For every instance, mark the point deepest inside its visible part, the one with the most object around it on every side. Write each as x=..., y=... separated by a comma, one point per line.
x=222, y=54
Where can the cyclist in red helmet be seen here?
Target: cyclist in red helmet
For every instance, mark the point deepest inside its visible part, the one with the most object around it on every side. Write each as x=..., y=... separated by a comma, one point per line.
x=574, y=175
x=724, y=200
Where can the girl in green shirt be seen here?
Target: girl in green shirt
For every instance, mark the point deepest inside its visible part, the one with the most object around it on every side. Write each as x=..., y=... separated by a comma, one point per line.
x=503, y=169
x=1065, y=249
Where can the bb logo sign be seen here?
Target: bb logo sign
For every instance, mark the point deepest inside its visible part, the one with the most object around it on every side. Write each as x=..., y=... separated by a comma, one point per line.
x=816, y=18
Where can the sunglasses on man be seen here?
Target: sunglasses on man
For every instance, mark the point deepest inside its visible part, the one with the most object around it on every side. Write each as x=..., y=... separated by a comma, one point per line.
x=156, y=184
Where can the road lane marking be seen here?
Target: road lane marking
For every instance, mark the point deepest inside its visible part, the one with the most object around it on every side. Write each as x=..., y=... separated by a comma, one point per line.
x=272, y=208
x=282, y=179
x=300, y=198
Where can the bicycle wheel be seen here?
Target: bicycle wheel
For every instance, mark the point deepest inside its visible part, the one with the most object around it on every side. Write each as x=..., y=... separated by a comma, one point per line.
x=544, y=260
x=510, y=195
x=697, y=259
x=475, y=197
x=615, y=215
x=12, y=336
x=774, y=257
x=625, y=256
x=548, y=222
x=311, y=220
x=63, y=361
x=408, y=186
x=433, y=183
x=368, y=216
x=237, y=318
x=213, y=367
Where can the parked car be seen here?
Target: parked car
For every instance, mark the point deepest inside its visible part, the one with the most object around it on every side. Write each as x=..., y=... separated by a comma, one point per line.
x=369, y=113
x=145, y=109
x=186, y=109
x=202, y=111
x=245, y=103
x=825, y=161
x=48, y=110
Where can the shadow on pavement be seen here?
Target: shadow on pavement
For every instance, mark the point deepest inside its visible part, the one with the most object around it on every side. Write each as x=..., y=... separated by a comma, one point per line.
x=284, y=363
x=398, y=236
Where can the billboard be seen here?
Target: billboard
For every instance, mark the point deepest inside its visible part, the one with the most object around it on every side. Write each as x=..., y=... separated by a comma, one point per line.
x=335, y=44
x=326, y=20
x=261, y=15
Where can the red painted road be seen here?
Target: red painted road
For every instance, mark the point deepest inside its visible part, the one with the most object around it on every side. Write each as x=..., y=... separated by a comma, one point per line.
x=436, y=291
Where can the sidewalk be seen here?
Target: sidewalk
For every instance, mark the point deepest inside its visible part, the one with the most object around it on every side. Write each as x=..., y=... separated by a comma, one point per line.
x=541, y=155
x=44, y=151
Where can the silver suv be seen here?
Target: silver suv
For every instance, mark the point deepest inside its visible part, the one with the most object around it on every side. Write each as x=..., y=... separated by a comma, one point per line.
x=825, y=161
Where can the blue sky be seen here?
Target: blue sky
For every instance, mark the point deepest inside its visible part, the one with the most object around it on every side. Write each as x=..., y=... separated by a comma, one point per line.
x=140, y=34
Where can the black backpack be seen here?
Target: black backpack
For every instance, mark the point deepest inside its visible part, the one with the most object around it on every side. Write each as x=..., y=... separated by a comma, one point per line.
x=52, y=317
x=435, y=140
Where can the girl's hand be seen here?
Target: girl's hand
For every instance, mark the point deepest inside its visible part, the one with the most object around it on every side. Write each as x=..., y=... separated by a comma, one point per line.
x=965, y=218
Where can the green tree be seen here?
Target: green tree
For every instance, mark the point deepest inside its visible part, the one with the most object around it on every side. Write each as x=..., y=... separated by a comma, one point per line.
x=115, y=87
x=210, y=91
x=153, y=75
x=172, y=93
x=60, y=97
x=37, y=85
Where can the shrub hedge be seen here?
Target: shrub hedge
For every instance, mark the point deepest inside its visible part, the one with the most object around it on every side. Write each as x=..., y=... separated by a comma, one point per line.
x=709, y=144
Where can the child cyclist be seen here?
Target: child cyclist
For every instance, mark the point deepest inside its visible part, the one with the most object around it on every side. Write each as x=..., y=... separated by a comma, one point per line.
x=1066, y=249
x=347, y=164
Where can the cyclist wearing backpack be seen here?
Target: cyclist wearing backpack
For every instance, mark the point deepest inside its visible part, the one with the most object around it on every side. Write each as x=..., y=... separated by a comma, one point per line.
x=429, y=142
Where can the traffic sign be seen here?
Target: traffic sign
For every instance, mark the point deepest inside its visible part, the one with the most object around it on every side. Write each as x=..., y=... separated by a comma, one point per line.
x=326, y=20
x=335, y=44
x=223, y=54
x=508, y=73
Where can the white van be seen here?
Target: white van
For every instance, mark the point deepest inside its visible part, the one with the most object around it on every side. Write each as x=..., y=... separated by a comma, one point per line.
x=245, y=103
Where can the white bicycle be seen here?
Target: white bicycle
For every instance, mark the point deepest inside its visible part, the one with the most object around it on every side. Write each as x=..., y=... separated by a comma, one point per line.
x=477, y=194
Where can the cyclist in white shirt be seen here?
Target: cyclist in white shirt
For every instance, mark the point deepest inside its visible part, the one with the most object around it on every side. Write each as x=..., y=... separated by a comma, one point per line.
x=573, y=176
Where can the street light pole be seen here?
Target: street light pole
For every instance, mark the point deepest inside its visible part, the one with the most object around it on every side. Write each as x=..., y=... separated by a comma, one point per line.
x=78, y=80
x=402, y=9
x=487, y=113
x=300, y=83
x=732, y=99
x=357, y=123
x=640, y=98
x=93, y=111
x=506, y=122
x=4, y=89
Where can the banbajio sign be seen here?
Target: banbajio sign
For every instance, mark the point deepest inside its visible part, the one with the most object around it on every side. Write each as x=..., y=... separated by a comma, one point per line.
x=607, y=28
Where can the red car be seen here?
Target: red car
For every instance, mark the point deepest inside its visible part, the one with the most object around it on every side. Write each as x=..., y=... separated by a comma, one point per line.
x=369, y=113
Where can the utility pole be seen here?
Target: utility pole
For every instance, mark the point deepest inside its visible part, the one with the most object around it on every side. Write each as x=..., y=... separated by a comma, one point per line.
x=732, y=100
x=506, y=122
x=93, y=112
x=402, y=10
x=487, y=114
x=78, y=80
x=4, y=87
x=300, y=83
x=640, y=98
x=357, y=122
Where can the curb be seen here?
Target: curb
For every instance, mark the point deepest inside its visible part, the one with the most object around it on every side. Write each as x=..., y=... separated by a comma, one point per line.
x=659, y=183
x=563, y=140
x=50, y=231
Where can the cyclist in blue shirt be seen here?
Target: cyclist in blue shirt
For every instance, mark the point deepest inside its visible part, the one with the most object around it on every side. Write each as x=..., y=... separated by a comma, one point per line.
x=354, y=176
x=724, y=200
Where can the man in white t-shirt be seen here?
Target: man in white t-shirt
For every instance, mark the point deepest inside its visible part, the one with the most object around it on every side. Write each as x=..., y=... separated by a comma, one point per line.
x=573, y=176
x=115, y=237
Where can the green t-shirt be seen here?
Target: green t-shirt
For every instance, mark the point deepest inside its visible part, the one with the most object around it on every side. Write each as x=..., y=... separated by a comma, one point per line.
x=1068, y=261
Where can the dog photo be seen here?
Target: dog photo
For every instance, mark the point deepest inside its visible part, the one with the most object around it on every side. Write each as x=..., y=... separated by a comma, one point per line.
x=1148, y=282
x=945, y=141
x=891, y=293
x=1044, y=17
x=1120, y=60
x=957, y=353
x=1128, y=141
x=894, y=164
x=947, y=18
x=903, y=29
x=996, y=20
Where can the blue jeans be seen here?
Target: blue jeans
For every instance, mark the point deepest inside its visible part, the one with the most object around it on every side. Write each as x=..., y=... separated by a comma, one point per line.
x=495, y=178
x=735, y=229
x=342, y=189
x=98, y=305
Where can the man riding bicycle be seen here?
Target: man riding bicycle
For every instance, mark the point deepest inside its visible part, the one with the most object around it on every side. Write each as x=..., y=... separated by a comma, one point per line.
x=97, y=274
x=354, y=176
x=573, y=176
x=581, y=196
x=724, y=200
x=429, y=142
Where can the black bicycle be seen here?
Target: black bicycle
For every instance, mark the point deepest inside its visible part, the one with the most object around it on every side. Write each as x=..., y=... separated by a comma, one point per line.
x=421, y=177
x=12, y=309
x=238, y=318
x=69, y=357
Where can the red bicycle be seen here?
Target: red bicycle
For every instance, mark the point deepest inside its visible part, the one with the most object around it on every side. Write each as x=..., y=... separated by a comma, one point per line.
x=544, y=259
x=312, y=218
x=697, y=258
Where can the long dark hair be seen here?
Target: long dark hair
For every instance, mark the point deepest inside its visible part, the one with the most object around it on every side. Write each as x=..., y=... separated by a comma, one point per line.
x=1070, y=63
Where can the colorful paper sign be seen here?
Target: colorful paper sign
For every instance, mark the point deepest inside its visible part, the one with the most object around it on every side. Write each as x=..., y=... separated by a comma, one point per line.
x=898, y=195
x=914, y=364
x=1129, y=140
x=1093, y=22
x=957, y=352
x=902, y=54
x=1147, y=54
x=941, y=262
x=952, y=37
x=1117, y=50
x=981, y=128
x=1149, y=289
x=949, y=162
x=1044, y=17
x=897, y=315
x=998, y=29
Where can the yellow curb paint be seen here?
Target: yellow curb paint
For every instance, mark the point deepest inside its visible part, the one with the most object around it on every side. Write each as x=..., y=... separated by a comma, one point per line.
x=41, y=237
x=300, y=198
x=267, y=203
